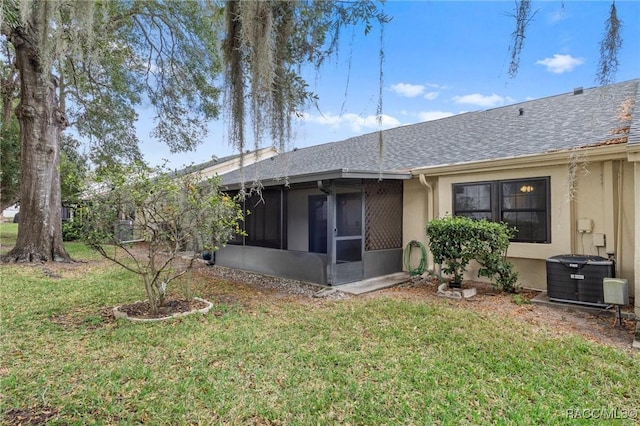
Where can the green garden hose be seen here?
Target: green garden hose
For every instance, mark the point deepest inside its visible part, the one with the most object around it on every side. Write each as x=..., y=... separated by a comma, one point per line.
x=423, y=258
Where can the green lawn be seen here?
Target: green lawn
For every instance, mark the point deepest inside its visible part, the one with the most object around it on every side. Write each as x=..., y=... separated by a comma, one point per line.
x=8, y=234
x=278, y=361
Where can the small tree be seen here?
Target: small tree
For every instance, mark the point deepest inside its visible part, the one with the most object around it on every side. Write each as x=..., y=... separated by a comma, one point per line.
x=456, y=241
x=448, y=240
x=138, y=206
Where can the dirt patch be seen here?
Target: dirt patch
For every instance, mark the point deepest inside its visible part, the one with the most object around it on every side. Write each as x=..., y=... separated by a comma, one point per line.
x=84, y=318
x=39, y=415
x=558, y=320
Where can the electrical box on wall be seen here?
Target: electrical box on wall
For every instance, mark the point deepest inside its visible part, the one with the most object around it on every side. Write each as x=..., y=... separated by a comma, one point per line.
x=599, y=240
x=585, y=226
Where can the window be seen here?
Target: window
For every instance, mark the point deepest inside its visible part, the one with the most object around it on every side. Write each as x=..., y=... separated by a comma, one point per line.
x=523, y=204
x=263, y=224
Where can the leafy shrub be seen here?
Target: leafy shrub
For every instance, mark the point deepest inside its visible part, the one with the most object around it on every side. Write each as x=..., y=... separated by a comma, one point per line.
x=448, y=241
x=71, y=230
x=456, y=241
x=74, y=229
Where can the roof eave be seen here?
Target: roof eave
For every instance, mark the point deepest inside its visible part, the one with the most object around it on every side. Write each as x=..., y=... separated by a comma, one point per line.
x=325, y=175
x=553, y=158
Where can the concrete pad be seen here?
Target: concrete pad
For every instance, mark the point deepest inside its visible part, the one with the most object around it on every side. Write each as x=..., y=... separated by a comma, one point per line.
x=374, y=284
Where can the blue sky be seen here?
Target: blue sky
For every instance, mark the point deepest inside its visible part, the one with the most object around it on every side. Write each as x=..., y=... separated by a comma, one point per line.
x=444, y=58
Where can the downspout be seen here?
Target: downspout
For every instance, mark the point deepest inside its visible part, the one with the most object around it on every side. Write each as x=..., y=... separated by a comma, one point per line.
x=619, y=223
x=430, y=198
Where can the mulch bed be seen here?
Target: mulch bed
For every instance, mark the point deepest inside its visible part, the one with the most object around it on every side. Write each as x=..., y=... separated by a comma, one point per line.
x=170, y=307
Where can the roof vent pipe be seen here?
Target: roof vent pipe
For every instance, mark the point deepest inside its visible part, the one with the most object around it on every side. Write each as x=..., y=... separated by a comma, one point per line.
x=521, y=111
x=578, y=91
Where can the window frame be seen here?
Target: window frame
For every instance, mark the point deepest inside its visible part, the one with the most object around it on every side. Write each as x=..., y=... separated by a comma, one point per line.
x=496, y=204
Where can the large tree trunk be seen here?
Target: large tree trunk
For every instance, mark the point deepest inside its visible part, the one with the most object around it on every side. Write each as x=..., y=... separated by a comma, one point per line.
x=41, y=125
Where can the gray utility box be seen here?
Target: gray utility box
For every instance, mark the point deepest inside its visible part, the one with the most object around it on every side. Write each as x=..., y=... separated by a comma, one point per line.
x=578, y=279
x=616, y=291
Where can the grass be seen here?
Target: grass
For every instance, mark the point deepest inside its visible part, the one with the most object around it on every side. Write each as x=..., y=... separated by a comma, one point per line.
x=8, y=234
x=280, y=361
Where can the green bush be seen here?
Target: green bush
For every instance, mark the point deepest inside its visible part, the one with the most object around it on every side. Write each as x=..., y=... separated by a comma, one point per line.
x=456, y=241
x=449, y=238
x=72, y=230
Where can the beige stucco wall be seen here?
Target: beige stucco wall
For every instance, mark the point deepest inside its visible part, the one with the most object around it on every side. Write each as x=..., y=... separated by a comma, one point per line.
x=414, y=217
x=606, y=196
x=414, y=212
x=595, y=197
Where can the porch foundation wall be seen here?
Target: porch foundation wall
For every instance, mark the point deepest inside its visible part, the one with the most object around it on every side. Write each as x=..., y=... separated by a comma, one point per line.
x=303, y=266
x=310, y=267
x=382, y=262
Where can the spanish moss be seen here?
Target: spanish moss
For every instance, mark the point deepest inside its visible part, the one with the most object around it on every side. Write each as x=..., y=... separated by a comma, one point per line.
x=523, y=16
x=609, y=48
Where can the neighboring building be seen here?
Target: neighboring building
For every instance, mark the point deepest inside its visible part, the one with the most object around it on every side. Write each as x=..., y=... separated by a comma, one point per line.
x=219, y=166
x=9, y=213
x=564, y=170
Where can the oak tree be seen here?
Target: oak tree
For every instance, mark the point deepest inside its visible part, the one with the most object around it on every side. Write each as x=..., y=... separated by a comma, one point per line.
x=90, y=65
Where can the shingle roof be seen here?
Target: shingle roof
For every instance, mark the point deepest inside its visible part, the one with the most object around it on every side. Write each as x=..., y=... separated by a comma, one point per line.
x=201, y=166
x=634, y=131
x=554, y=123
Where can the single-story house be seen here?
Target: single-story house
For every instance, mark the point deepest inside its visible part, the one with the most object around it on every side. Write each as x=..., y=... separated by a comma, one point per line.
x=221, y=165
x=564, y=170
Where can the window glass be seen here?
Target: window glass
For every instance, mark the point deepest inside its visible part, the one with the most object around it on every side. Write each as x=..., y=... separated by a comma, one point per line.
x=518, y=195
x=473, y=197
x=523, y=204
x=531, y=226
x=477, y=215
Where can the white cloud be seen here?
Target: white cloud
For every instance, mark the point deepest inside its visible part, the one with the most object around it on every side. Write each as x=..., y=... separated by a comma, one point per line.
x=560, y=63
x=355, y=122
x=481, y=100
x=408, y=90
x=431, y=95
x=557, y=16
x=433, y=115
